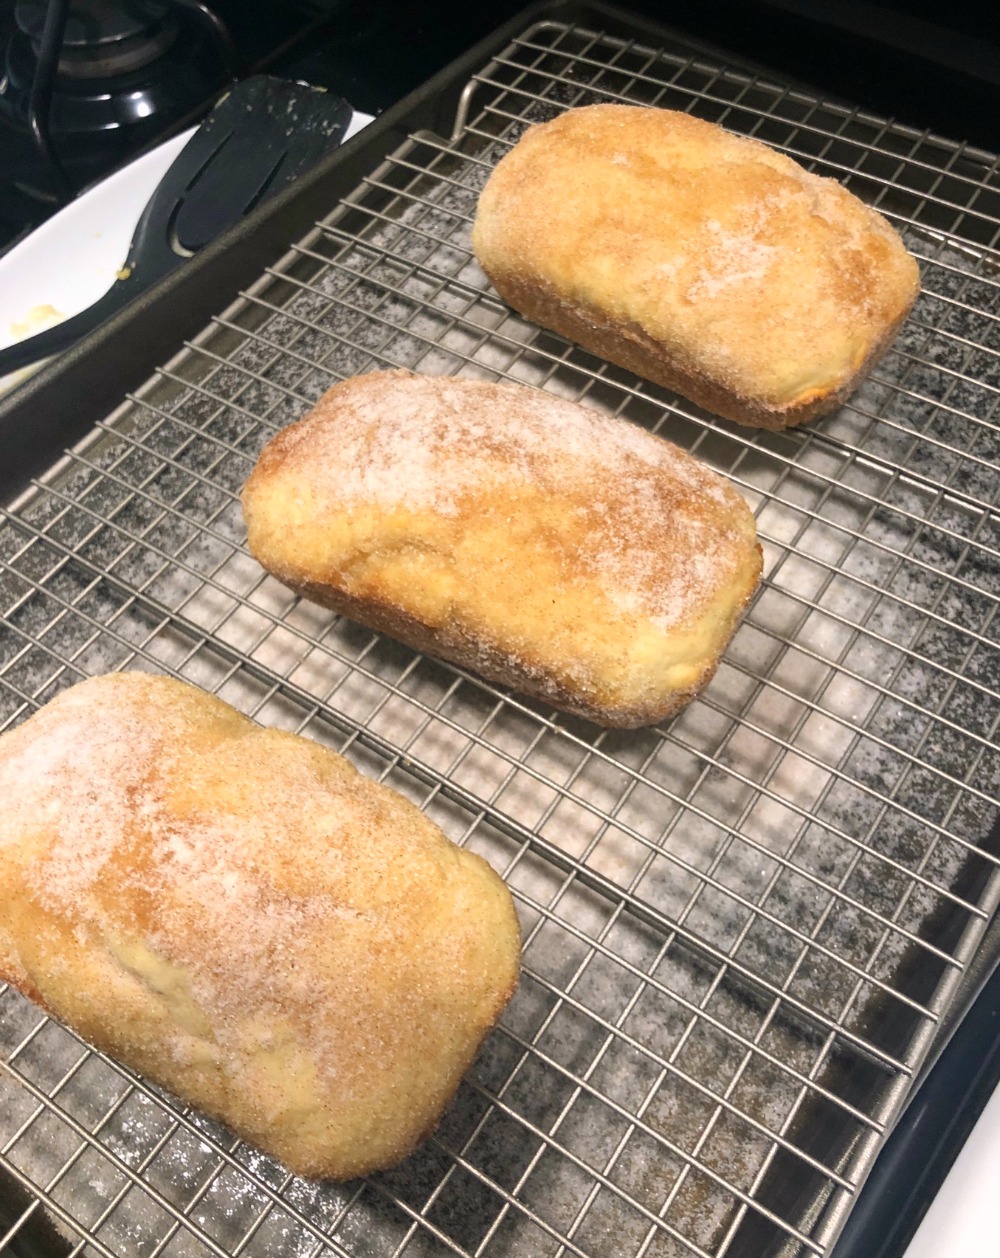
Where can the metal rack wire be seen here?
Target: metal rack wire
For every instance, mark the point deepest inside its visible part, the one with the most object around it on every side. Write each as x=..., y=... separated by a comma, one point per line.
x=741, y=929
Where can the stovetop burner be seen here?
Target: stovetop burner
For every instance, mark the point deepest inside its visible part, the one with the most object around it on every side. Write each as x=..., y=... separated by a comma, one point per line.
x=103, y=38
x=124, y=74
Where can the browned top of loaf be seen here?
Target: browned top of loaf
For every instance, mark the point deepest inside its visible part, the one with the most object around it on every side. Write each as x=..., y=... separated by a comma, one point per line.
x=240, y=914
x=640, y=520
x=545, y=544
x=771, y=281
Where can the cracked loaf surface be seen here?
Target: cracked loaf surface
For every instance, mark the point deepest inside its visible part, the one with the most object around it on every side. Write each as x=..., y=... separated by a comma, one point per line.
x=565, y=553
x=238, y=914
x=699, y=259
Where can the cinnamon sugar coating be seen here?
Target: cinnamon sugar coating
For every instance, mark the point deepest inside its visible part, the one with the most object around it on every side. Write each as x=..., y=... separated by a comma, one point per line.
x=697, y=258
x=570, y=555
x=241, y=916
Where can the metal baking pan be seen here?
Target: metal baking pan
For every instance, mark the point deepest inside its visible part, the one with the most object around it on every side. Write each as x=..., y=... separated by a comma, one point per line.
x=748, y=932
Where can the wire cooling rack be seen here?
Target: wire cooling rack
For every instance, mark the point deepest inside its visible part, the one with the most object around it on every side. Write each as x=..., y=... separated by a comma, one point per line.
x=741, y=929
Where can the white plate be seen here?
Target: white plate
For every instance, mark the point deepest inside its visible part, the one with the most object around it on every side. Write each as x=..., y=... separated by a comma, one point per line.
x=74, y=257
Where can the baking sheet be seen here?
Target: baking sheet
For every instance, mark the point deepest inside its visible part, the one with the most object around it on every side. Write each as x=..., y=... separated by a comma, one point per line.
x=741, y=928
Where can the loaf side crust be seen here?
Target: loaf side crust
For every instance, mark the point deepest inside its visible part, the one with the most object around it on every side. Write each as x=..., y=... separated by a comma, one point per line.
x=240, y=916
x=627, y=345
x=697, y=258
x=459, y=647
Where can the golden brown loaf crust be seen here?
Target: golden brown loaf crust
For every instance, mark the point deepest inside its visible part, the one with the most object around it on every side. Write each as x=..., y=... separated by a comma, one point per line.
x=569, y=555
x=699, y=259
x=238, y=914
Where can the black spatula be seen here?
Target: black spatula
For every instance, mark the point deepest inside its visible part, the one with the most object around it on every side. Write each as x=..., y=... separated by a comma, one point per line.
x=256, y=140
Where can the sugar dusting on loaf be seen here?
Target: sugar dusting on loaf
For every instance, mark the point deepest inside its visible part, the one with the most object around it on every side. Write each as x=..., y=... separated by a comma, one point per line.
x=61, y=785
x=419, y=443
x=239, y=914
x=538, y=542
x=703, y=260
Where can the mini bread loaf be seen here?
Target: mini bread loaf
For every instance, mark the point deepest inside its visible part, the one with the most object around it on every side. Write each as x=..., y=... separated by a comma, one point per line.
x=239, y=915
x=570, y=555
x=699, y=259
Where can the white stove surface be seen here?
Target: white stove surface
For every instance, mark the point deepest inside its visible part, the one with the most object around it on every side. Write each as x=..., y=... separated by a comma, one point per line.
x=961, y=1219
x=71, y=260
